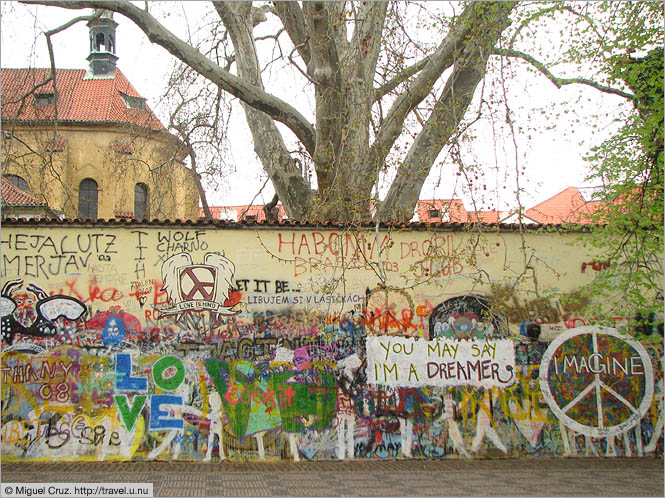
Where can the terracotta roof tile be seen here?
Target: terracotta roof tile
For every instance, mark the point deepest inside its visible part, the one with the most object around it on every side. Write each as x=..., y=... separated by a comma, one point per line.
x=56, y=144
x=416, y=226
x=122, y=214
x=78, y=99
x=14, y=196
x=451, y=210
x=568, y=206
x=483, y=216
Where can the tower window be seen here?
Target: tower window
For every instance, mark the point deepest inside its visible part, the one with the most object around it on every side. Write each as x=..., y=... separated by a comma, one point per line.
x=43, y=99
x=18, y=182
x=88, y=194
x=133, y=102
x=141, y=201
x=99, y=42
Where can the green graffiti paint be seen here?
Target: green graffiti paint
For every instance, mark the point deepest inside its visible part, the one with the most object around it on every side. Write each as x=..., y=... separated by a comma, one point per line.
x=307, y=399
x=130, y=415
x=249, y=403
x=173, y=382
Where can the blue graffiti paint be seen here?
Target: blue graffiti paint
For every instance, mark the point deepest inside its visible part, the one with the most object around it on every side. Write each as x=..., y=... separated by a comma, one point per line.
x=114, y=331
x=123, y=375
x=160, y=419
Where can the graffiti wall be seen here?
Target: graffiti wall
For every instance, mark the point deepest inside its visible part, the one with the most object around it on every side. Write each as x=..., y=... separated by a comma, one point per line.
x=253, y=343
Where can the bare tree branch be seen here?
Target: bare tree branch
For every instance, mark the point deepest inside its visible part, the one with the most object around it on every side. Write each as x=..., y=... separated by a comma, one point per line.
x=445, y=117
x=251, y=203
x=268, y=142
x=270, y=37
x=367, y=35
x=158, y=34
x=559, y=82
x=439, y=61
x=293, y=19
x=388, y=87
x=324, y=69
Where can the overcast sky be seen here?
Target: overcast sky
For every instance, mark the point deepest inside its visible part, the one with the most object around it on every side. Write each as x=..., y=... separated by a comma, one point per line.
x=551, y=159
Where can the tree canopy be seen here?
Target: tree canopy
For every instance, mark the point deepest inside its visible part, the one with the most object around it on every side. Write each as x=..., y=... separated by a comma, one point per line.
x=629, y=166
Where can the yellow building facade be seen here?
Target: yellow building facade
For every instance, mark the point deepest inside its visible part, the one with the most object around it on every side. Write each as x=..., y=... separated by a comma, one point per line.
x=119, y=159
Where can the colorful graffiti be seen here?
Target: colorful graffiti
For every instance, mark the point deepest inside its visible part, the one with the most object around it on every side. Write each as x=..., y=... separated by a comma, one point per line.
x=201, y=350
x=465, y=317
x=404, y=362
x=596, y=381
x=47, y=310
x=193, y=287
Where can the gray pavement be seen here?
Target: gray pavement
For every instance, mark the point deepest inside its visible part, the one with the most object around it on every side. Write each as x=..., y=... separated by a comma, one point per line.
x=449, y=477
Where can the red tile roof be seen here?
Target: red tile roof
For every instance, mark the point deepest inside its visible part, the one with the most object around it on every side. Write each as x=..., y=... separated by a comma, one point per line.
x=14, y=196
x=568, y=206
x=483, y=216
x=242, y=212
x=79, y=99
x=56, y=144
x=451, y=210
x=122, y=214
x=318, y=225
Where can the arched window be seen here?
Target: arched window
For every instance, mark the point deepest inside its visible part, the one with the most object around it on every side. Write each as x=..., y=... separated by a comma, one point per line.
x=88, y=193
x=99, y=42
x=19, y=182
x=141, y=201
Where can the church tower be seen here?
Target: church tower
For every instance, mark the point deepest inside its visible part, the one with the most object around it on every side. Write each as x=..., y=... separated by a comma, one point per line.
x=102, y=56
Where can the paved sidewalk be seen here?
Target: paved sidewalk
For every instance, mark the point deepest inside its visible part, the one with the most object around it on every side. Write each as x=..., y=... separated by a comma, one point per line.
x=502, y=477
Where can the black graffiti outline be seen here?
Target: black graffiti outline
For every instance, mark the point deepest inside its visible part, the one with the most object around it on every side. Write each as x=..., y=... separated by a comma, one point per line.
x=48, y=309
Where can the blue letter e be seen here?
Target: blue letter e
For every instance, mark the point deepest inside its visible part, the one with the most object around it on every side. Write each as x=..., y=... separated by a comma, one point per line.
x=159, y=419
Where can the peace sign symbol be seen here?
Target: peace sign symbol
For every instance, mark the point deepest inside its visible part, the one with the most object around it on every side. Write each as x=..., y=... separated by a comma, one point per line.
x=597, y=381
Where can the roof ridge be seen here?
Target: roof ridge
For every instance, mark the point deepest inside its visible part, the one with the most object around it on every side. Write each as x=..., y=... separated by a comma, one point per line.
x=555, y=195
x=41, y=69
x=313, y=224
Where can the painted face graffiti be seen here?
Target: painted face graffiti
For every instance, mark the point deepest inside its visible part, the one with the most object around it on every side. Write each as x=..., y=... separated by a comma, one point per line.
x=48, y=310
x=465, y=317
x=114, y=331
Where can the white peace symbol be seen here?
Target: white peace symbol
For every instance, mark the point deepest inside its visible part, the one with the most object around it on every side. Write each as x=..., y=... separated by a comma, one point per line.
x=597, y=384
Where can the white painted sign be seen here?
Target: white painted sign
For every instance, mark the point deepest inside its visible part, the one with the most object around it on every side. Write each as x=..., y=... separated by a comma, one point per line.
x=409, y=362
x=598, y=369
